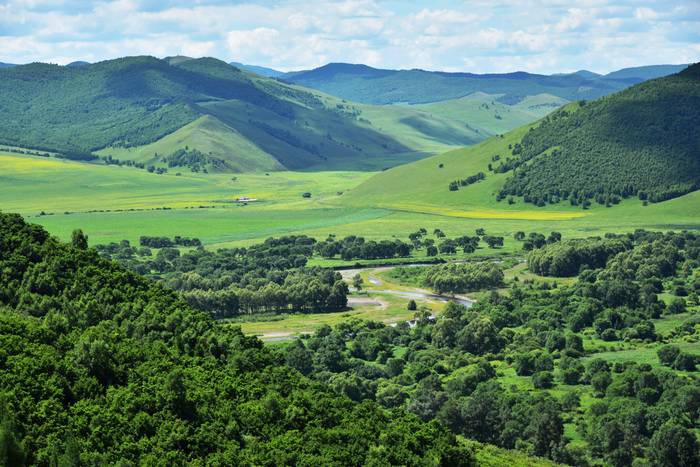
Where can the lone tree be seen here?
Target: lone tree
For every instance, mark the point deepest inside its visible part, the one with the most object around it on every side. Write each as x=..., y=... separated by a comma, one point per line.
x=357, y=282
x=412, y=305
x=79, y=239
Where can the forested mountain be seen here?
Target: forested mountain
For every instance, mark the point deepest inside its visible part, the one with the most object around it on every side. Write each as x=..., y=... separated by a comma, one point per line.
x=131, y=102
x=643, y=141
x=99, y=366
x=361, y=83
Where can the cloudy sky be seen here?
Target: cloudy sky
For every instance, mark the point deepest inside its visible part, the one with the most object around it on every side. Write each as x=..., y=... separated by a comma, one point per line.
x=544, y=36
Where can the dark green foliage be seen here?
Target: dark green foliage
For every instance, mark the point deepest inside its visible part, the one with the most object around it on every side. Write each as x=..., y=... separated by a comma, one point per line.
x=456, y=278
x=568, y=258
x=454, y=186
x=196, y=161
x=449, y=367
x=641, y=142
x=543, y=380
x=103, y=367
x=164, y=242
x=79, y=240
x=267, y=277
x=674, y=446
x=354, y=247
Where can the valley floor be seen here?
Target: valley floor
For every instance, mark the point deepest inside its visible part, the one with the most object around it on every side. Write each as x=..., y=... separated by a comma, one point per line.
x=114, y=203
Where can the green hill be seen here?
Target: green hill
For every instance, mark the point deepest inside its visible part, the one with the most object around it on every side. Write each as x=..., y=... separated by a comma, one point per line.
x=643, y=141
x=260, y=124
x=365, y=84
x=485, y=112
x=208, y=135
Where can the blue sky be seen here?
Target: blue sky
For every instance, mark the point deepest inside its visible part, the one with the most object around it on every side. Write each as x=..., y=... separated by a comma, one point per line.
x=545, y=36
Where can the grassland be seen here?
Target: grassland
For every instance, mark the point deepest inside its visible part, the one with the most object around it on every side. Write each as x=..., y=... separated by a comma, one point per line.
x=391, y=203
x=483, y=111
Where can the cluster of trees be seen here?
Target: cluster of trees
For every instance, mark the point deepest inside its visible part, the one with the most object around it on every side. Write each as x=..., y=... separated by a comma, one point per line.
x=449, y=246
x=166, y=242
x=634, y=143
x=451, y=369
x=570, y=257
x=109, y=160
x=454, y=186
x=354, y=247
x=195, y=160
x=535, y=240
x=103, y=367
x=463, y=277
x=267, y=277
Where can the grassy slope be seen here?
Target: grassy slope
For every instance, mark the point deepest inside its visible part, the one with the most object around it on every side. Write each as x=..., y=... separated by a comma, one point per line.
x=540, y=104
x=209, y=135
x=230, y=132
x=484, y=112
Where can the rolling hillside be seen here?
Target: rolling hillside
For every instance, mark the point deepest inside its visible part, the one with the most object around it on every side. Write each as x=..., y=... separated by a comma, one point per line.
x=365, y=84
x=643, y=138
x=137, y=107
x=643, y=141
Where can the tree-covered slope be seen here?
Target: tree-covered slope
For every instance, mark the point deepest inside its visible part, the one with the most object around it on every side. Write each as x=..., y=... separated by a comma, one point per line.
x=643, y=141
x=361, y=83
x=99, y=366
x=132, y=102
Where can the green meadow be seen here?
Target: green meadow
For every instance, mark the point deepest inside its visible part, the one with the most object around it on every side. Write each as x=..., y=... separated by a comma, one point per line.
x=111, y=203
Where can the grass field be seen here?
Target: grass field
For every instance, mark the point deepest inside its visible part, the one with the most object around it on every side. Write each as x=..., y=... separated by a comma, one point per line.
x=393, y=203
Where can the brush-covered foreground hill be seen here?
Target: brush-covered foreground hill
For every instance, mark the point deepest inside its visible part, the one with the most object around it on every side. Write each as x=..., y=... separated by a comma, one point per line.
x=365, y=84
x=643, y=141
x=99, y=366
x=260, y=123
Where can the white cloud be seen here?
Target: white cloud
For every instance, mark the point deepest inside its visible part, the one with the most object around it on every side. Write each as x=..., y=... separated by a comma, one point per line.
x=478, y=35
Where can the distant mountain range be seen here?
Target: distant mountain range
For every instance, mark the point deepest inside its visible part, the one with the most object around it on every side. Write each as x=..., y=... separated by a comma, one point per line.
x=144, y=108
x=260, y=70
x=361, y=83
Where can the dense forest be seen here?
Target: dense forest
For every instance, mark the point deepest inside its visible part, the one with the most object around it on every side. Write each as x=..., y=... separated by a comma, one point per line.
x=642, y=142
x=99, y=366
x=266, y=277
x=455, y=369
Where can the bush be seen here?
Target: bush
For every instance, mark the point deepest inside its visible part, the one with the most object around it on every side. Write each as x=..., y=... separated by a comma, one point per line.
x=668, y=354
x=543, y=380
